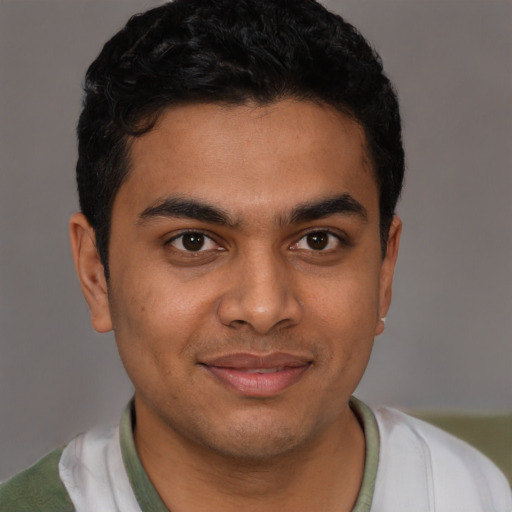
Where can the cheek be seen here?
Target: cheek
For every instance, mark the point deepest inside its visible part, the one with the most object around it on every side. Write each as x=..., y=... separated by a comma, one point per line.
x=348, y=302
x=152, y=332
x=346, y=314
x=160, y=321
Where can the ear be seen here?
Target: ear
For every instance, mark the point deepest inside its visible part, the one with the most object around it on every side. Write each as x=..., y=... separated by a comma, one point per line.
x=387, y=271
x=90, y=271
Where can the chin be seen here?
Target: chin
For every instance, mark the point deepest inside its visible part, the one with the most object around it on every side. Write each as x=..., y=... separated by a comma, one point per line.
x=257, y=447
x=255, y=441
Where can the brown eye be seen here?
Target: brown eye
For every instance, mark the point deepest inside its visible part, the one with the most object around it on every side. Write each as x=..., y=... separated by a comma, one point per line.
x=318, y=241
x=193, y=241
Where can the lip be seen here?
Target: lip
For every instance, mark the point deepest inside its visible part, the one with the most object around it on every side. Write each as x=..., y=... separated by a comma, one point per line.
x=258, y=375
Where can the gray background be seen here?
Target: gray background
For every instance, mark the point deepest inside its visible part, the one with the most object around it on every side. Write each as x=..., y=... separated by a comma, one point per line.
x=447, y=343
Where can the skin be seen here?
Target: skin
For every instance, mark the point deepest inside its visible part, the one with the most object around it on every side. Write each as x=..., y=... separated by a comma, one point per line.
x=259, y=285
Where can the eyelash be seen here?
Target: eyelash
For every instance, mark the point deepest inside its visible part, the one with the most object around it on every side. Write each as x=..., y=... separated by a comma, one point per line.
x=181, y=235
x=340, y=239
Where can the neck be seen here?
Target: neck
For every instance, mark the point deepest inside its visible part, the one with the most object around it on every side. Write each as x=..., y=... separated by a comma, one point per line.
x=325, y=473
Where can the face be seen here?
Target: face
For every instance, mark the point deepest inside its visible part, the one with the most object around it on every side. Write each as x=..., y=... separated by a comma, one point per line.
x=246, y=276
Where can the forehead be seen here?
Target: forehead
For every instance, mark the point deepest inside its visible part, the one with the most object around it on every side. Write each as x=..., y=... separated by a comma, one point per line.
x=273, y=155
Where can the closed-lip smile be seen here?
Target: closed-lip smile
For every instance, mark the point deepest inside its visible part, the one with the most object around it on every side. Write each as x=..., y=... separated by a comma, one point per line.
x=257, y=375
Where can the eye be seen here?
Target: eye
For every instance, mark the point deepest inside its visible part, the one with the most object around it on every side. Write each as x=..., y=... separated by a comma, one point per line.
x=318, y=241
x=193, y=241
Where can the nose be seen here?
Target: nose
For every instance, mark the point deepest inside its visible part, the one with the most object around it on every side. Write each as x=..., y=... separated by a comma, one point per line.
x=261, y=295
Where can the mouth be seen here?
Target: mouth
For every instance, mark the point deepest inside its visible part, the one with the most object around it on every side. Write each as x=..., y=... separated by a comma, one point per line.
x=255, y=375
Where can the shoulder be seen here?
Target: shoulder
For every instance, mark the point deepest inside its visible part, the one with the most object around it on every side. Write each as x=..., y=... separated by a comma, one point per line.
x=37, y=489
x=436, y=467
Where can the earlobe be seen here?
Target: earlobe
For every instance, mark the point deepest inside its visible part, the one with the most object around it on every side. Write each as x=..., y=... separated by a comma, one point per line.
x=387, y=271
x=90, y=271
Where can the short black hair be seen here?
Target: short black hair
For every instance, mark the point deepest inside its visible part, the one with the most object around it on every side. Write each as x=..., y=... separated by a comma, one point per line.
x=235, y=52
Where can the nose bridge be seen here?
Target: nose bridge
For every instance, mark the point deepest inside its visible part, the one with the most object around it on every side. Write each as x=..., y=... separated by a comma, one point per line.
x=261, y=293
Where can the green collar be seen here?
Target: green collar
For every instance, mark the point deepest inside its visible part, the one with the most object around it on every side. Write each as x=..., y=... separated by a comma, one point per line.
x=146, y=494
x=149, y=500
x=371, y=433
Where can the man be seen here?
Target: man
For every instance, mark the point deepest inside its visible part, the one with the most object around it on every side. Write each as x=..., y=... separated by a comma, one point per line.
x=239, y=167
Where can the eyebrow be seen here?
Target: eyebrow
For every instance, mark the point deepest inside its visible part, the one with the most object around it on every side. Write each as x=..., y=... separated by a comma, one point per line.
x=180, y=207
x=342, y=204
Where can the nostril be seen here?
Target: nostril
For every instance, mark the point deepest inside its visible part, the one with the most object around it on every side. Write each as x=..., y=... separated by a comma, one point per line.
x=237, y=323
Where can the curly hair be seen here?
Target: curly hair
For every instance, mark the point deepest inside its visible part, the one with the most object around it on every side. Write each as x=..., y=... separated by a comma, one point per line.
x=229, y=51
